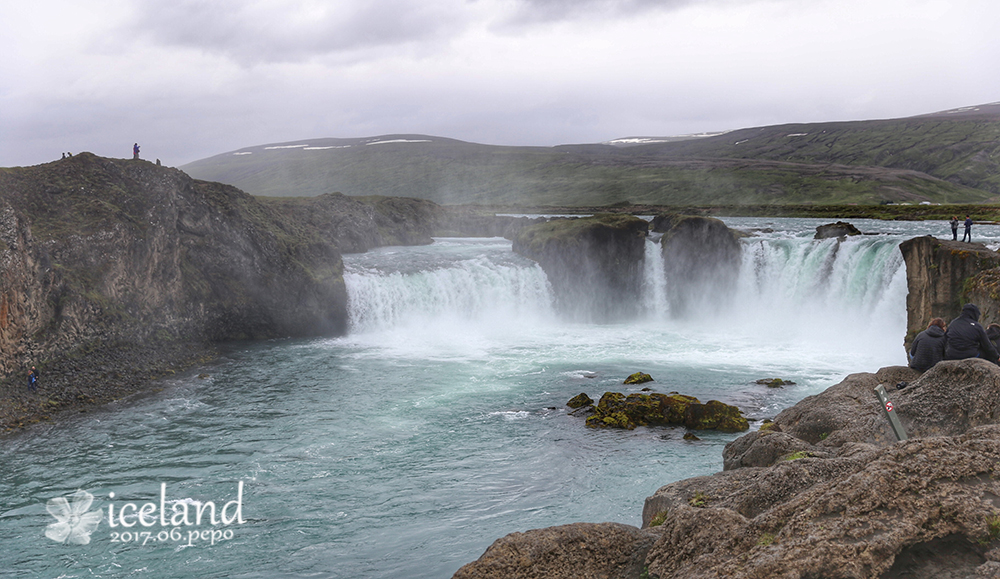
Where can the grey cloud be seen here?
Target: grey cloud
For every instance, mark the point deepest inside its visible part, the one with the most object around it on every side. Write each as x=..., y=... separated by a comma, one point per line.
x=294, y=30
x=543, y=11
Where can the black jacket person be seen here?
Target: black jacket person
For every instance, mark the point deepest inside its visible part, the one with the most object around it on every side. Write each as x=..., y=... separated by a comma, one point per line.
x=928, y=347
x=967, y=339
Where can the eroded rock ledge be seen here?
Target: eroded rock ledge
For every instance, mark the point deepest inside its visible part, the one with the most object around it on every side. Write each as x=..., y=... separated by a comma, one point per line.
x=827, y=493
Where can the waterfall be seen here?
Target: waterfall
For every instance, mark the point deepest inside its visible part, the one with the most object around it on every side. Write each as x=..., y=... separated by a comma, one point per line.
x=850, y=280
x=788, y=285
x=480, y=289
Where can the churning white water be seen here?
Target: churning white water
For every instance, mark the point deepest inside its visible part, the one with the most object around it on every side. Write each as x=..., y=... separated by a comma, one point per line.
x=438, y=424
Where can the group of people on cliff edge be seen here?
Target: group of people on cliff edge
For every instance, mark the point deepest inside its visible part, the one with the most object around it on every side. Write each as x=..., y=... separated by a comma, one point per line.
x=963, y=338
x=968, y=228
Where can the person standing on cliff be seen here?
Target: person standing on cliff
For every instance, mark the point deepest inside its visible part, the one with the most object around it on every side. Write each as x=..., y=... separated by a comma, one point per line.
x=967, y=339
x=135, y=151
x=33, y=380
x=954, y=227
x=929, y=346
x=968, y=229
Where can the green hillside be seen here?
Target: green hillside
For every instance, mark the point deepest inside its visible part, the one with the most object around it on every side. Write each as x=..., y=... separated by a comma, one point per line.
x=943, y=158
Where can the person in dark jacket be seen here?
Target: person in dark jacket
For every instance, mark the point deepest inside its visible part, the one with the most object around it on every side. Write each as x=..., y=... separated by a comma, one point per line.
x=968, y=229
x=993, y=333
x=928, y=347
x=967, y=339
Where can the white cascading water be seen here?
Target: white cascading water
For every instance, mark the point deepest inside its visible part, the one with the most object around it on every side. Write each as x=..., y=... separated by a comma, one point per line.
x=460, y=291
x=821, y=295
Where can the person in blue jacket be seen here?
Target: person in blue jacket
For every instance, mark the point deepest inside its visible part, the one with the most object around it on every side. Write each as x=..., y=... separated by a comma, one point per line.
x=928, y=347
x=967, y=339
x=968, y=229
x=33, y=379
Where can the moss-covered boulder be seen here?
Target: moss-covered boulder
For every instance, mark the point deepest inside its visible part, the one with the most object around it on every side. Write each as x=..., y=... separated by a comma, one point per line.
x=594, y=263
x=674, y=406
x=616, y=410
x=715, y=415
x=638, y=378
x=580, y=400
x=701, y=258
x=775, y=382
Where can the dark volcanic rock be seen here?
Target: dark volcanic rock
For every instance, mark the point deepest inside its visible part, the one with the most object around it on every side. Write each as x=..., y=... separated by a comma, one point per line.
x=701, y=258
x=838, y=229
x=938, y=275
x=594, y=263
x=580, y=551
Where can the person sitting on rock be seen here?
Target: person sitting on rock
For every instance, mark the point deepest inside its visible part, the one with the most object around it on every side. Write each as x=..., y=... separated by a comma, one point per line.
x=967, y=339
x=929, y=345
x=993, y=333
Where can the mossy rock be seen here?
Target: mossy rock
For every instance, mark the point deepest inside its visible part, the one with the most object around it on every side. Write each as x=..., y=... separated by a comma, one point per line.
x=616, y=410
x=638, y=378
x=775, y=382
x=715, y=415
x=611, y=402
x=674, y=407
x=613, y=420
x=643, y=409
x=579, y=400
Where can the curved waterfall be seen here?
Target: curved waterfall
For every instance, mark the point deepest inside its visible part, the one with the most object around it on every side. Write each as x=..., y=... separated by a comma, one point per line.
x=784, y=284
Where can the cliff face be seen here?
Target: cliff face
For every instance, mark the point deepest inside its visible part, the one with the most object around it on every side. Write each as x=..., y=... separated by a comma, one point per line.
x=96, y=253
x=938, y=275
x=594, y=264
x=701, y=259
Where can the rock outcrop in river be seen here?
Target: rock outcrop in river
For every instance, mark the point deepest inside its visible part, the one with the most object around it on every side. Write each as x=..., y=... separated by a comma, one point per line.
x=617, y=410
x=593, y=263
x=701, y=259
x=851, y=502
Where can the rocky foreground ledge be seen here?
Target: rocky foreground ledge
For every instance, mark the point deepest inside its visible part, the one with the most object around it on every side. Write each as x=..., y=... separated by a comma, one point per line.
x=824, y=492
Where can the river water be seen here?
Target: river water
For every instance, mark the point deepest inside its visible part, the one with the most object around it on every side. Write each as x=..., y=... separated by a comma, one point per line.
x=438, y=424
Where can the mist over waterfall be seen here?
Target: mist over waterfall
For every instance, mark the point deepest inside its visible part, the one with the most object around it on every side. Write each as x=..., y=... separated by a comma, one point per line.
x=822, y=295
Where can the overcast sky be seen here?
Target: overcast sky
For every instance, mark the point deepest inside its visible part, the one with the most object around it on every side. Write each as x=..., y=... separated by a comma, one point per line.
x=188, y=79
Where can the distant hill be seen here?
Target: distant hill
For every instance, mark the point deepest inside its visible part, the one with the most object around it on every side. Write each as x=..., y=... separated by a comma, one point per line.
x=945, y=157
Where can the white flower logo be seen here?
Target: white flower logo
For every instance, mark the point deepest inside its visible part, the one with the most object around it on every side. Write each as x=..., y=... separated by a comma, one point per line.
x=74, y=524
